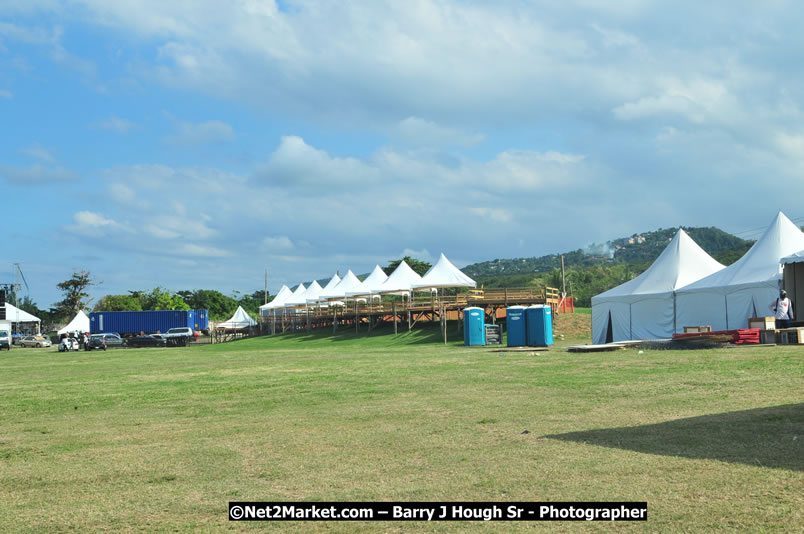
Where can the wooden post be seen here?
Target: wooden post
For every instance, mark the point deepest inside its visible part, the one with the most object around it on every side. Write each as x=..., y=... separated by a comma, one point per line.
x=444, y=320
x=334, y=319
x=393, y=309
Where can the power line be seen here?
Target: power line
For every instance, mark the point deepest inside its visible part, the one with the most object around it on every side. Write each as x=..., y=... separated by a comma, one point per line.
x=761, y=228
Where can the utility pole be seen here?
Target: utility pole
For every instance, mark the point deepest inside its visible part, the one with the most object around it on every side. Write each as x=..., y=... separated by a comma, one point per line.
x=266, y=286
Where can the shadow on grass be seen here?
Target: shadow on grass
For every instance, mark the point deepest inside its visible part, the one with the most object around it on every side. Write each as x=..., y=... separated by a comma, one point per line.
x=766, y=437
x=420, y=334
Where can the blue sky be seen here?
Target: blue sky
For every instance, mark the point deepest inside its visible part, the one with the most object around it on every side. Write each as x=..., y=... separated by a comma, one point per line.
x=192, y=144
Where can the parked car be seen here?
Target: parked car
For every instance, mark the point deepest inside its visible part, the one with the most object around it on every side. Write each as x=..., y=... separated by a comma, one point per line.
x=35, y=341
x=112, y=340
x=96, y=341
x=147, y=341
x=182, y=331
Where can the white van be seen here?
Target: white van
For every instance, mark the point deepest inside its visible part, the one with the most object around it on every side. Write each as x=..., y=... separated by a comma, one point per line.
x=5, y=335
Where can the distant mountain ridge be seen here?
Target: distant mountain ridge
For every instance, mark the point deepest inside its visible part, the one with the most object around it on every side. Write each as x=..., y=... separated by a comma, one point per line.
x=642, y=248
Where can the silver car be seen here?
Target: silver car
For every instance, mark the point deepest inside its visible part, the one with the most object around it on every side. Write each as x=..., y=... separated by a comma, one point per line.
x=35, y=341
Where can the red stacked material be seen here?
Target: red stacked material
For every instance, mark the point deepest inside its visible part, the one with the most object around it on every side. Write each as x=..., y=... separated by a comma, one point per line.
x=738, y=337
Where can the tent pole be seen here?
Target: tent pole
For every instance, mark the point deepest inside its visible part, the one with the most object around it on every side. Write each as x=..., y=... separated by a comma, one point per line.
x=442, y=311
x=675, y=327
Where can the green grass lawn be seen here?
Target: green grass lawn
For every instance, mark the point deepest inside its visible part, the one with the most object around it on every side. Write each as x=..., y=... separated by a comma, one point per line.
x=162, y=439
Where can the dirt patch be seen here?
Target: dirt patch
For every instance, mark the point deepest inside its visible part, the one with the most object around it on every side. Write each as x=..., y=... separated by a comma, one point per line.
x=573, y=325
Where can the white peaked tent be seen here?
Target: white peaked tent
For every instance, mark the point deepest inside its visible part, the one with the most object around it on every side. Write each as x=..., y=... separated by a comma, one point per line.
x=728, y=298
x=444, y=274
x=348, y=283
x=295, y=299
x=644, y=308
x=239, y=320
x=280, y=297
x=399, y=282
x=312, y=293
x=329, y=289
x=80, y=323
x=299, y=290
x=322, y=297
x=370, y=284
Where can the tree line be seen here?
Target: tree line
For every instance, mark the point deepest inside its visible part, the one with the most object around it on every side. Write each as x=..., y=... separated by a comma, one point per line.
x=221, y=307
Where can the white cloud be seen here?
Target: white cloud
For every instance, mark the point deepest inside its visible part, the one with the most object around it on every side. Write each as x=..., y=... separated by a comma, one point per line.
x=125, y=195
x=191, y=249
x=297, y=164
x=493, y=215
x=277, y=243
x=92, y=224
x=39, y=152
x=200, y=133
x=5, y=93
x=422, y=254
x=164, y=226
x=51, y=40
x=419, y=132
x=37, y=174
x=114, y=124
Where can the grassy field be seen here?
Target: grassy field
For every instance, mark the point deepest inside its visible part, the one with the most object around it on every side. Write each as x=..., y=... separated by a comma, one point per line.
x=162, y=439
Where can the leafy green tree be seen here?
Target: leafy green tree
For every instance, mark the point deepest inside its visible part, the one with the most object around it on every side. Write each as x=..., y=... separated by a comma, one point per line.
x=75, y=294
x=220, y=306
x=251, y=303
x=160, y=298
x=27, y=304
x=419, y=266
x=118, y=303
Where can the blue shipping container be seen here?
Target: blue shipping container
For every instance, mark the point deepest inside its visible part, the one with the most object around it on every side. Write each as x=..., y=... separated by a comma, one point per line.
x=515, y=324
x=150, y=322
x=474, y=329
x=201, y=320
x=539, y=324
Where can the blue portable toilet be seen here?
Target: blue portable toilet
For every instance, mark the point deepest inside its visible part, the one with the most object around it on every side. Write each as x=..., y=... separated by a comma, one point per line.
x=515, y=324
x=474, y=331
x=539, y=324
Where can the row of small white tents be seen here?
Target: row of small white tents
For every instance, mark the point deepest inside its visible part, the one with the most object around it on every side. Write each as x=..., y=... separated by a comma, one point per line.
x=403, y=281
x=687, y=287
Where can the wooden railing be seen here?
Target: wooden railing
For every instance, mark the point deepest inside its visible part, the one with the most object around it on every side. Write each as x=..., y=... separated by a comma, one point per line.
x=472, y=297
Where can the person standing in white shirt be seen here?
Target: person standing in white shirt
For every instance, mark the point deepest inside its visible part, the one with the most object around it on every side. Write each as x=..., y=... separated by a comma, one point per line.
x=783, y=308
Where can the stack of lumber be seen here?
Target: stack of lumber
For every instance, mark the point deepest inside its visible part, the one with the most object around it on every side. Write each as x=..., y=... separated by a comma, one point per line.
x=738, y=337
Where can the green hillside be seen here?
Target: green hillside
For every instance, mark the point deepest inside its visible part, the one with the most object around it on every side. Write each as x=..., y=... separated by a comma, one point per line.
x=600, y=267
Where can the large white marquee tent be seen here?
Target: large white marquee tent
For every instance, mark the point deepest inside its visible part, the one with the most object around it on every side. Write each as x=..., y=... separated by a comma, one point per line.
x=726, y=299
x=80, y=323
x=370, y=284
x=281, y=296
x=18, y=317
x=644, y=308
x=444, y=274
x=399, y=282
